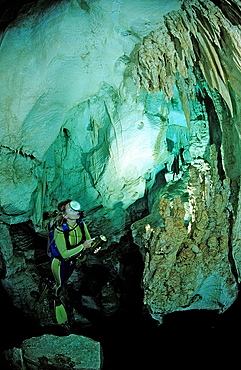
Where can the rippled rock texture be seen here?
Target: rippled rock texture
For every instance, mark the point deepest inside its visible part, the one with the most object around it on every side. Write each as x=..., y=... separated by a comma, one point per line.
x=188, y=264
x=49, y=351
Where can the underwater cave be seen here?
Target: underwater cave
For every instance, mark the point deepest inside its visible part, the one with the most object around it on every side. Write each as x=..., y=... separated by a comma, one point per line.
x=131, y=108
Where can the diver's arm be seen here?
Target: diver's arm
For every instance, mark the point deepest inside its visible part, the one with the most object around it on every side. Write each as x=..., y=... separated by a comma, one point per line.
x=61, y=245
x=87, y=234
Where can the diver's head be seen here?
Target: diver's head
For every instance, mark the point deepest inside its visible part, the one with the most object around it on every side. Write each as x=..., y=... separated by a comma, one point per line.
x=70, y=209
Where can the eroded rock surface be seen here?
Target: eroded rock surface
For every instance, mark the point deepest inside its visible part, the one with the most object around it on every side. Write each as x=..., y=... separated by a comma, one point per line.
x=54, y=352
x=188, y=263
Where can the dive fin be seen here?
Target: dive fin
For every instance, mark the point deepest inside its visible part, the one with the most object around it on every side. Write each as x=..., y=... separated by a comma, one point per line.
x=60, y=312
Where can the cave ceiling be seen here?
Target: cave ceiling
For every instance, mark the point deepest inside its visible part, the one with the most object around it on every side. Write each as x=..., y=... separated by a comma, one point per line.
x=11, y=9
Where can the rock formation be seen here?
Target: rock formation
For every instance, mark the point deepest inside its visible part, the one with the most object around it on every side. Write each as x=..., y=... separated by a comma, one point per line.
x=49, y=351
x=188, y=263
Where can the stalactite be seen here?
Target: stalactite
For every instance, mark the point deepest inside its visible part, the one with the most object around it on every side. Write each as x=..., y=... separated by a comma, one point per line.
x=190, y=37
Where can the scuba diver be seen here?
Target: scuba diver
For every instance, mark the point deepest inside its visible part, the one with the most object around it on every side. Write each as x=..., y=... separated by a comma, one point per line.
x=68, y=239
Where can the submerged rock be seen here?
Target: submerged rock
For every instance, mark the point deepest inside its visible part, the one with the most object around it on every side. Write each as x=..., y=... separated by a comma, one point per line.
x=56, y=353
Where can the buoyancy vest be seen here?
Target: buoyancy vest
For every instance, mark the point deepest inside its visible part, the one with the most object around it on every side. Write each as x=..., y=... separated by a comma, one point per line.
x=52, y=250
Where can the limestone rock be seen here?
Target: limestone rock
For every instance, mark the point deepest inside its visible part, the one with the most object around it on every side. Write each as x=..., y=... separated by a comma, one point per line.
x=170, y=49
x=236, y=242
x=53, y=352
x=188, y=266
x=76, y=118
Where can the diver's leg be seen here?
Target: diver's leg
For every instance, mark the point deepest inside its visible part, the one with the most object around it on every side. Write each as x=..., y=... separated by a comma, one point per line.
x=57, y=268
x=68, y=269
x=56, y=271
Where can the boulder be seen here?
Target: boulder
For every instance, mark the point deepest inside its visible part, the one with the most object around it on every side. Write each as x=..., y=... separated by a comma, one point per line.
x=56, y=353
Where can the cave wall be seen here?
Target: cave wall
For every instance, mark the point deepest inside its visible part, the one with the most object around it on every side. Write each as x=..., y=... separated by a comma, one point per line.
x=188, y=55
x=71, y=106
x=99, y=103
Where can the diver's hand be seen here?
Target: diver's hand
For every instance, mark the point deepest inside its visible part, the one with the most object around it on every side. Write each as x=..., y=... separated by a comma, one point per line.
x=87, y=243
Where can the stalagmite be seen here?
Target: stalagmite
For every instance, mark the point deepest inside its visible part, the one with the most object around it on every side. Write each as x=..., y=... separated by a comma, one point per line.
x=189, y=267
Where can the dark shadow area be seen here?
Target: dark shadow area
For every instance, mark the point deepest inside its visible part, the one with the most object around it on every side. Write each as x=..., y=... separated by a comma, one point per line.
x=15, y=327
x=186, y=339
x=10, y=10
x=132, y=340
